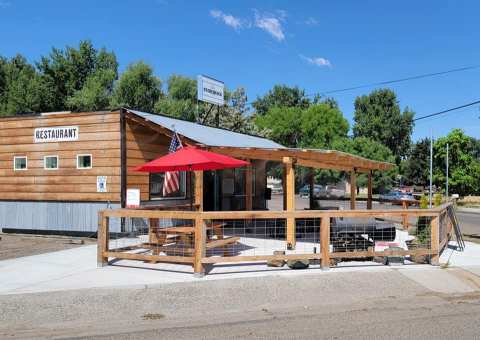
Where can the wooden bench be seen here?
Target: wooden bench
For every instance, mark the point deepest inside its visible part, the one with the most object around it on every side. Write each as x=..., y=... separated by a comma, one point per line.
x=165, y=239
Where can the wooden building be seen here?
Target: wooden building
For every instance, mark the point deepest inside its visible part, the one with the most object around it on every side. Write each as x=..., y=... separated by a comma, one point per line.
x=57, y=170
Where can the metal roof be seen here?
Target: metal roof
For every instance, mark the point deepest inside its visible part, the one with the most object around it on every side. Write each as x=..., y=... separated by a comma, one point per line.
x=207, y=135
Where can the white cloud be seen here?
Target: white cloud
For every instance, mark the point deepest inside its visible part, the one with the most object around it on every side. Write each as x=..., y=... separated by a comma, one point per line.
x=317, y=61
x=271, y=23
x=311, y=21
x=229, y=20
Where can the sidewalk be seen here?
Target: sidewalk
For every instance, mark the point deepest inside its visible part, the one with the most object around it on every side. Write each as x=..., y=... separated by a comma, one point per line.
x=76, y=269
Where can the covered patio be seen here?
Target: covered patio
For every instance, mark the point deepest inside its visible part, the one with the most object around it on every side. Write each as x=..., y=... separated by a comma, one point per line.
x=202, y=237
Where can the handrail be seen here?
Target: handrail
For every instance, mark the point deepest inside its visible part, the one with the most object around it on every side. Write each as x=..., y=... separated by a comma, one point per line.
x=207, y=215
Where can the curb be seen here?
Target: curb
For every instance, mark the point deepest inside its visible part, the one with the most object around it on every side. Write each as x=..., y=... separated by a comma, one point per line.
x=469, y=210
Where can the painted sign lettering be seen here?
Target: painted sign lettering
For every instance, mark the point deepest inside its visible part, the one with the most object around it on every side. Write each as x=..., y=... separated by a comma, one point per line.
x=56, y=134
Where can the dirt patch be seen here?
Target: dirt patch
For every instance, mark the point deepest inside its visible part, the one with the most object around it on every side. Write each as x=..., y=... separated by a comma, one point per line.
x=17, y=245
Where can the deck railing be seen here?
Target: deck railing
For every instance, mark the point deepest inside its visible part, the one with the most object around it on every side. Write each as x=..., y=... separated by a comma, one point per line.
x=206, y=238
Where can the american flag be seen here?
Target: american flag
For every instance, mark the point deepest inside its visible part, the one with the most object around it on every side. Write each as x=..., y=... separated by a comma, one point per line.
x=171, y=181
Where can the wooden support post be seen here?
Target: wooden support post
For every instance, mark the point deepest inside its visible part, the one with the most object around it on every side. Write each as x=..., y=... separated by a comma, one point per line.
x=435, y=240
x=353, y=188
x=248, y=188
x=325, y=241
x=199, y=190
x=102, y=240
x=284, y=188
x=369, y=194
x=311, y=181
x=290, y=198
x=200, y=246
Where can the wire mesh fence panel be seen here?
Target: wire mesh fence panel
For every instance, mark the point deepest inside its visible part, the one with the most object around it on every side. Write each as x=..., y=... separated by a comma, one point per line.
x=154, y=236
x=260, y=237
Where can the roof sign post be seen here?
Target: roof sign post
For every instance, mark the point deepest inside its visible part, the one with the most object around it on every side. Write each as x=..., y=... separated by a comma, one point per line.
x=210, y=90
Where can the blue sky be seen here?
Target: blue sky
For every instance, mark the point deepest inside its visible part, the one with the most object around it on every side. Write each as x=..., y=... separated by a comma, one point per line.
x=317, y=45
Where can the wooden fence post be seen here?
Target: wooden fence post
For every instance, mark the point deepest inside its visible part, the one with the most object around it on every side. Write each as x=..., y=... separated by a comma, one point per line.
x=370, y=191
x=290, y=195
x=102, y=239
x=353, y=189
x=435, y=241
x=200, y=239
x=325, y=241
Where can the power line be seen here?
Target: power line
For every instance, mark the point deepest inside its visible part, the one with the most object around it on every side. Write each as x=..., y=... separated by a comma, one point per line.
x=447, y=110
x=426, y=75
x=420, y=76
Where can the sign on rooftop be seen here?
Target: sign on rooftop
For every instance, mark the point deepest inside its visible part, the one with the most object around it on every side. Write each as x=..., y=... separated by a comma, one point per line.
x=210, y=90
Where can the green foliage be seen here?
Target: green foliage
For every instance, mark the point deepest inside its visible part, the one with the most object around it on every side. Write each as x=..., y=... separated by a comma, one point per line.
x=21, y=89
x=437, y=199
x=95, y=94
x=138, y=88
x=416, y=166
x=368, y=148
x=316, y=127
x=423, y=202
x=464, y=167
x=64, y=73
x=281, y=96
x=378, y=117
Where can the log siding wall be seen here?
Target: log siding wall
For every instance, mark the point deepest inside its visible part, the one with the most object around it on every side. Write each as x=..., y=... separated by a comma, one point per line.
x=99, y=135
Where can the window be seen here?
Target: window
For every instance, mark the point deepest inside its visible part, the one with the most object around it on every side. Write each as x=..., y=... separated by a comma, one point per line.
x=84, y=161
x=50, y=162
x=156, y=187
x=20, y=163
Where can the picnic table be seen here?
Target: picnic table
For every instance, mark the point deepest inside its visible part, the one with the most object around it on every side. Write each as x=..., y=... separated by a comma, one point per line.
x=183, y=236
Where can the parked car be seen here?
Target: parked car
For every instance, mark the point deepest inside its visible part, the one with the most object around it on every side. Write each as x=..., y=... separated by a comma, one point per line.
x=305, y=191
x=331, y=191
x=395, y=196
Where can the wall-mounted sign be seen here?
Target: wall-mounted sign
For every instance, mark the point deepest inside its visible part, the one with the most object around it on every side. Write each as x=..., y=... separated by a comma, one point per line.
x=101, y=183
x=210, y=90
x=133, y=198
x=56, y=134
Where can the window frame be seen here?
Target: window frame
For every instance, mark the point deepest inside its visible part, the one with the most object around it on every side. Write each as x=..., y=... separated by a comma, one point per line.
x=45, y=162
x=15, y=163
x=82, y=155
x=183, y=181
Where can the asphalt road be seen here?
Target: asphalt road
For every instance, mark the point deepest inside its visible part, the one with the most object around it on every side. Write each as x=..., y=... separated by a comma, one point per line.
x=469, y=223
x=353, y=305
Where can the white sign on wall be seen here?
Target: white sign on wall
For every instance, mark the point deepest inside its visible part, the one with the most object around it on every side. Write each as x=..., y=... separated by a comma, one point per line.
x=210, y=90
x=101, y=183
x=56, y=134
x=133, y=198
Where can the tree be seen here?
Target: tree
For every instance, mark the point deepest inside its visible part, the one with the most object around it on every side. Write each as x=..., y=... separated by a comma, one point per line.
x=20, y=85
x=415, y=169
x=464, y=167
x=281, y=96
x=368, y=148
x=65, y=72
x=378, y=117
x=95, y=94
x=314, y=127
x=138, y=88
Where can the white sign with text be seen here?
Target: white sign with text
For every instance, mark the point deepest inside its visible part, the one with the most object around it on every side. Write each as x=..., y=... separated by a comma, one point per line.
x=210, y=90
x=55, y=134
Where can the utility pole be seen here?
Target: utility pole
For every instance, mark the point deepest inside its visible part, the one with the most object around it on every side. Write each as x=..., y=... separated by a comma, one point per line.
x=446, y=186
x=431, y=169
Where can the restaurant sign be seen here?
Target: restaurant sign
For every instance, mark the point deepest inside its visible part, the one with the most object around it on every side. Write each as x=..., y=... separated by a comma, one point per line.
x=210, y=90
x=56, y=134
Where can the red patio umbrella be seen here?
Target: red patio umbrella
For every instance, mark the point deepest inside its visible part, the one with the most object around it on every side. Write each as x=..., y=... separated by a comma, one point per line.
x=191, y=158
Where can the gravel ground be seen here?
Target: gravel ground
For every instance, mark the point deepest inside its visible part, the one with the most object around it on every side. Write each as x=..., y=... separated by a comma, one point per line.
x=345, y=305
x=17, y=245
